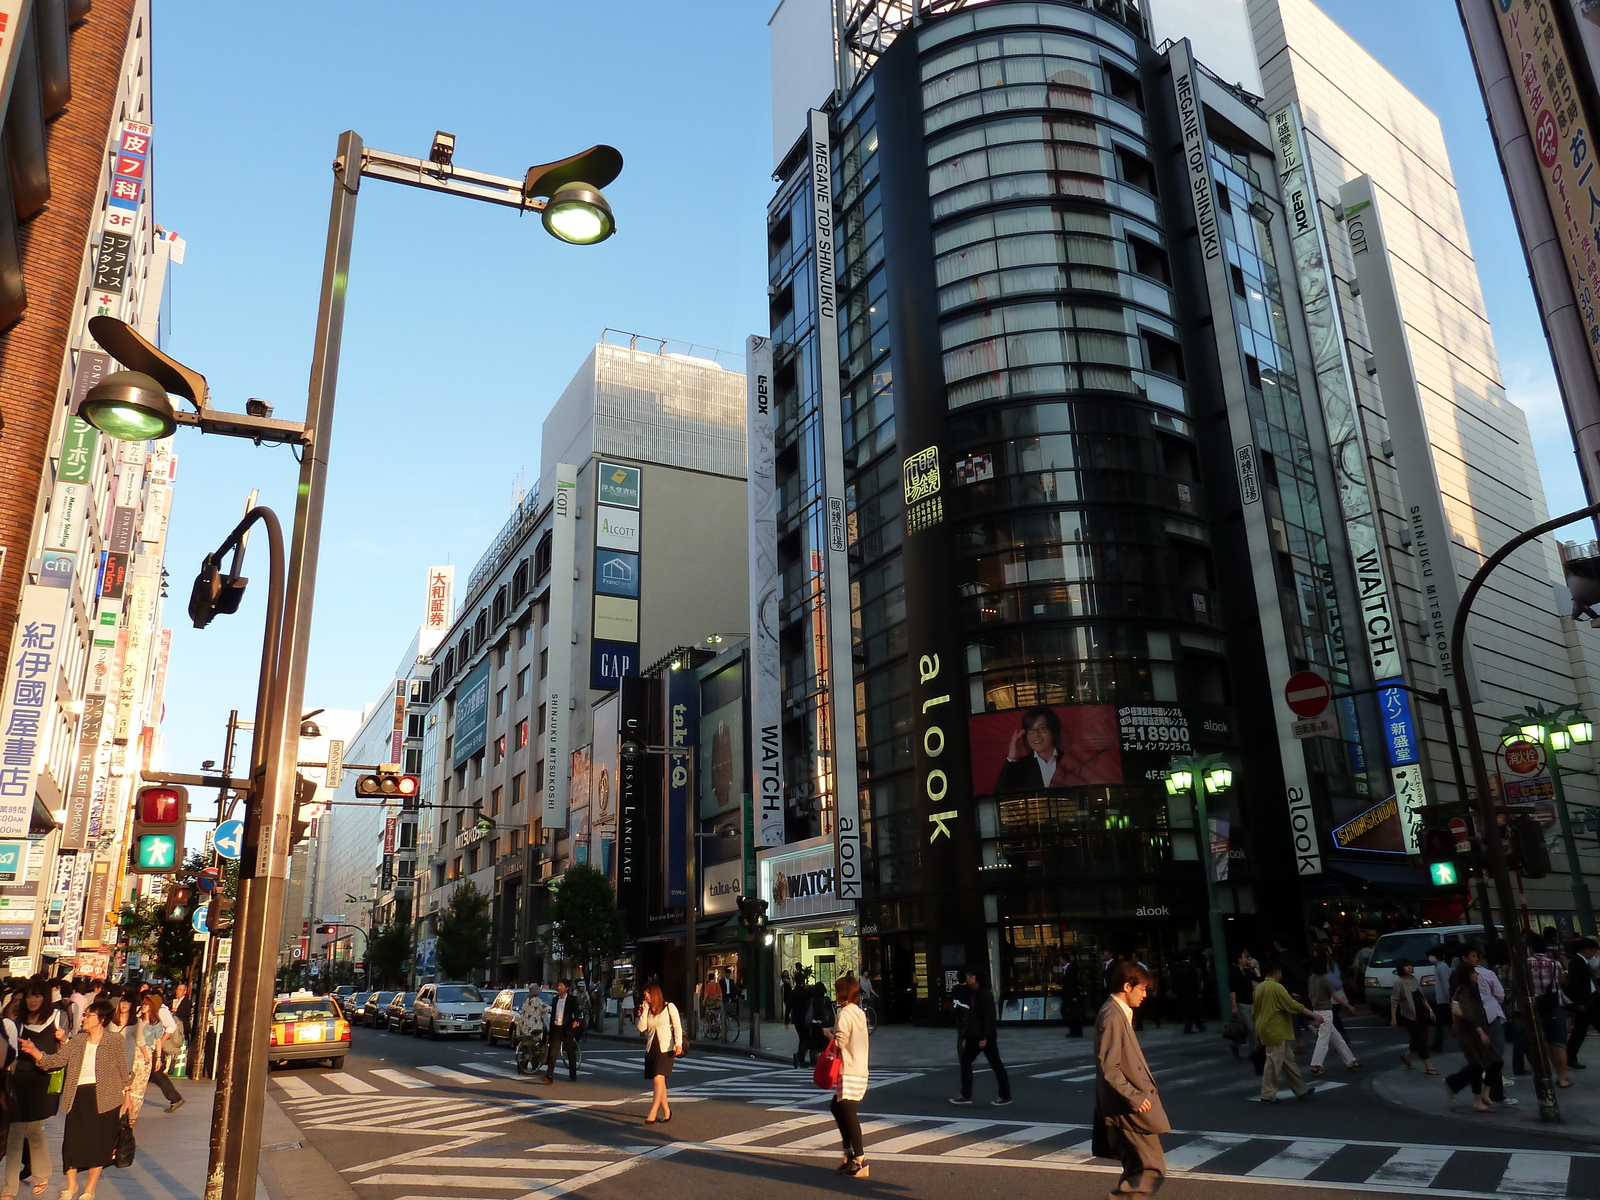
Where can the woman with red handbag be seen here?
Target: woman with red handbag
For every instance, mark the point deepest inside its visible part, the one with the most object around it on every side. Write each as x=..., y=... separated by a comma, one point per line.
x=843, y=1064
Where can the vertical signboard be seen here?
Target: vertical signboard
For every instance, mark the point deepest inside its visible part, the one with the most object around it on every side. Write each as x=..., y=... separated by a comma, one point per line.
x=441, y=589
x=1219, y=289
x=614, y=648
x=633, y=720
x=558, y=683
x=1408, y=425
x=838, y=753
x=683, y=735
x=766, y=681
x=1401, y=734
x=28, y=704
x=80, y=791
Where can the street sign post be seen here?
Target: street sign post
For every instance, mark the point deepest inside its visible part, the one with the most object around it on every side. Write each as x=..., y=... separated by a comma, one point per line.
x=198, y=920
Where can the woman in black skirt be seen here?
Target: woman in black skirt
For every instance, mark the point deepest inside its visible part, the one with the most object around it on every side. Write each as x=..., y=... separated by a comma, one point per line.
x=94, y=1093
x=34, y=1102
x=663, y=1043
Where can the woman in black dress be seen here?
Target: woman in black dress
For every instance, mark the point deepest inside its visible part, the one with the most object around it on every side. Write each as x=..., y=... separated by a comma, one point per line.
x=35, y=1103
x=94, y=1093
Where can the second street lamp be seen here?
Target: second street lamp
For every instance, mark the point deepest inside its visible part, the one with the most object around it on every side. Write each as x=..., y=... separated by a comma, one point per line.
x=136, y=412
x=1199, y=778
x=1559, y=731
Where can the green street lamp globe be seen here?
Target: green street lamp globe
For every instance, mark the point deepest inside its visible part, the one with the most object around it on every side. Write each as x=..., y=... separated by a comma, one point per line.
x=129, y=406
x=579, y=214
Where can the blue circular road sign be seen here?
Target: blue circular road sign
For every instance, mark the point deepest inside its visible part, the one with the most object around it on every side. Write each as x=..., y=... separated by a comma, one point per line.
x=229, y=838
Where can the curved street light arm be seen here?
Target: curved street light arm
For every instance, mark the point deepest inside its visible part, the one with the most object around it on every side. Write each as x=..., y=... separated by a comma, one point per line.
x=1516, y=946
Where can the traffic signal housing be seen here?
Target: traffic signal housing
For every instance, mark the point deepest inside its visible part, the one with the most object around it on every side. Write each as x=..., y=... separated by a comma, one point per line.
x=388, y=784
x=305, y=793
x=219, y=915
x=328, y=930
x=160, y=812
x=180, y=900
x=1528, y=850
x=753, y=912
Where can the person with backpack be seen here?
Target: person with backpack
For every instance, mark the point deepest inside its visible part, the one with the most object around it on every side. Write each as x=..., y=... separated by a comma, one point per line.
x=819, y=1017
x=663, y=1045
x=1546, y=976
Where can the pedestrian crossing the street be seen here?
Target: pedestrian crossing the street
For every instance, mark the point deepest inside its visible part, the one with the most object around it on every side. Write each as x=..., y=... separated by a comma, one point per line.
x=1389, y=1168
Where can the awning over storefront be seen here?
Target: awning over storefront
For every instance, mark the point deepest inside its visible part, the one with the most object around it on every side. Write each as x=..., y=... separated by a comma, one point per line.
x=1398, y=877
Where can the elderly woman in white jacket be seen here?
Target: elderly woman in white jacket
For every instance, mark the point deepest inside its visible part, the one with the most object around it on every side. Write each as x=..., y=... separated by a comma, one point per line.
x=849, y=1033
x=663, y=1044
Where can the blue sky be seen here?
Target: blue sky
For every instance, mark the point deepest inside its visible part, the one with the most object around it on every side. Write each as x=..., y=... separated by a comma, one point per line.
x=465, y=320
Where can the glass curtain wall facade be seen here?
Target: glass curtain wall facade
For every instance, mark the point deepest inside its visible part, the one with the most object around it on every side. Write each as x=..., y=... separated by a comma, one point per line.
x=1044, y=550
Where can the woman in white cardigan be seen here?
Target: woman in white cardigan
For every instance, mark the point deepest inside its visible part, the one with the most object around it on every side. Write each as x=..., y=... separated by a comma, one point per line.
x=663, y=1043
x=849, y=1032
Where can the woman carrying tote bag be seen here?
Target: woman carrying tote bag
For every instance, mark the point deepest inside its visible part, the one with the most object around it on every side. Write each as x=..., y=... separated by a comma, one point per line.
x=663, y=1043
x=849, y=1033
x=94, y=1093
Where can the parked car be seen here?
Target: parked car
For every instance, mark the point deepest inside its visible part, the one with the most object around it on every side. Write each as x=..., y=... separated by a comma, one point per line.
x=443, y=1008
x=344, y=991
x=500, y=1018
x=352, y=1005
x=374, y=1012
x=1413, y=944
x=305, y=1025
x=398, y=1015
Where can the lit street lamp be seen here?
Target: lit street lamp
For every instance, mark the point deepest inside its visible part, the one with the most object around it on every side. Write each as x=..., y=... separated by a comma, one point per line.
x=136, y=404
x=1199, y=778
x=1558, y=732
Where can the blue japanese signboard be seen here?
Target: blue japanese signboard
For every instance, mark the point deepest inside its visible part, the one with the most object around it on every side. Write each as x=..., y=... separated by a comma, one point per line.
x=472, y=714
x=1399, y=725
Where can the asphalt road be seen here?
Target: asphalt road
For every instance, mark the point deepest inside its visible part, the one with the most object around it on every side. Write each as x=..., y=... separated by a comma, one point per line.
x=413, y=1119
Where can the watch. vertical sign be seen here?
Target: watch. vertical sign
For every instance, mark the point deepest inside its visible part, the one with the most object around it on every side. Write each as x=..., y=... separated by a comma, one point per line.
x=766, y=683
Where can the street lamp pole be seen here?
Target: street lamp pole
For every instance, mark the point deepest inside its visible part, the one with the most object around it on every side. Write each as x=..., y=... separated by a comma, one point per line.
x=1516, y=945
x=1558, y=732
x=1204, y=775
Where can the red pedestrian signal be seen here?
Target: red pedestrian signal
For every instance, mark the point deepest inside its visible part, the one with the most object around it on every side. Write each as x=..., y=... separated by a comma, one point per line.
x=160, y=812
x=327, y=930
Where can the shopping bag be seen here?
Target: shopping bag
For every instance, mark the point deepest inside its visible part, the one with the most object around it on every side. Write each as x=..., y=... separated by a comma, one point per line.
x=830, y=1067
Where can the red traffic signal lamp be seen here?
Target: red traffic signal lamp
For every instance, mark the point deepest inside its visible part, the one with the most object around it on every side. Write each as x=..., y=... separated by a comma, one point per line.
x=160, y=812
x=328, y=930
x=388, y=785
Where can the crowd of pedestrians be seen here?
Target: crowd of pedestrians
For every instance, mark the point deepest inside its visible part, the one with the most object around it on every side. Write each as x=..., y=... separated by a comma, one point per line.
x=88, y=1049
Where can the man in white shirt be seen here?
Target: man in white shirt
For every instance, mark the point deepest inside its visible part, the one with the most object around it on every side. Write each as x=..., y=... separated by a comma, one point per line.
x=1493, y=994
x=564, y=1025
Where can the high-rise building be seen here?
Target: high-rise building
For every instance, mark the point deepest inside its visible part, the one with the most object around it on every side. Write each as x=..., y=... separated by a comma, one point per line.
x=633, y=547
x=82, y=518
x=1113, y=469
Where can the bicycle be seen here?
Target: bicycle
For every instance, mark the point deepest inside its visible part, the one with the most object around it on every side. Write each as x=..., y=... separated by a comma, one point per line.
x=869, y=1009
x=719, y=1026
x=530, y=1052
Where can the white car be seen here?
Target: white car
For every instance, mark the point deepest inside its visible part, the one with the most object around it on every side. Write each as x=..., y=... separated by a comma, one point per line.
x=1413, y=944
x=443, y=1008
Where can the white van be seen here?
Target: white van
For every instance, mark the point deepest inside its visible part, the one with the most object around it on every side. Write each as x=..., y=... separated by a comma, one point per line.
x=1413, y=944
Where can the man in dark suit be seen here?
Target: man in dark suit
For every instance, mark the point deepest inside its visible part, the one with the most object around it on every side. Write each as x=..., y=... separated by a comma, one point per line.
x=1127, y=1105
x=565, y=1022
x=978, y=1037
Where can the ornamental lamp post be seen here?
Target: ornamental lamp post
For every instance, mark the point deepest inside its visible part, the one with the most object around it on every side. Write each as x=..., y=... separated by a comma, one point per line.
x=1559, y=731
x=1202, y=777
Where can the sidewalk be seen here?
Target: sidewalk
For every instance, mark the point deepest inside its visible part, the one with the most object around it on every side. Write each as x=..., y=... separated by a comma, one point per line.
x=1420, y=1092
x=173, y=1150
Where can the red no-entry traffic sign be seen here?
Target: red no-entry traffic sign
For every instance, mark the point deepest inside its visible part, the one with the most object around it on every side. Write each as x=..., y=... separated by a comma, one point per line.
x=1307, y=694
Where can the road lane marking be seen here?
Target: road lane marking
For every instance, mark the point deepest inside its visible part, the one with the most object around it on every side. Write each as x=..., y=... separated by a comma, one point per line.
x=348, y=1082
x=451, y=1075
x=817, y=1140
x=404, y=1080
x=773, y=1130
x=599, y=1174
x=921, y=1137
x=1203, y=1149
x=1535, y=1175
x=999, y=1145
x=1297, y=1160
x=1077, y=1153
x=1413, y=1166
x=495, y=1182
x=296, y=1089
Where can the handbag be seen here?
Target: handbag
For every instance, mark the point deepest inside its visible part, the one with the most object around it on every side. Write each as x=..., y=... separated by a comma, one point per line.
x=1234, y=1030
x=126, y=1147
x=830, y=1067
x=58, y=1080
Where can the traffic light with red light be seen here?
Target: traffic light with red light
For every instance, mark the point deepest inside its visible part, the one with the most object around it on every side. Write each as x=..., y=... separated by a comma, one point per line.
x=328, y=930
x=389, y=784
x=160, y=812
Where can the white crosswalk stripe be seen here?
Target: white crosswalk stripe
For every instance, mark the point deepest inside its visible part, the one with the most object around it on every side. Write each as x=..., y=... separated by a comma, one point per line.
x=450, y=1075
x=1535, y=1175
x=1296, y=1160
x=1413, y=1166
x=348, y=1082
x=295, y=1089
x=401, y=1078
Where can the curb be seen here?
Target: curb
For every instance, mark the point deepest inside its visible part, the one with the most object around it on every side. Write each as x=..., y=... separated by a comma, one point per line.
x=290, y=1168
x=1524, y=1119
x=721, y=1049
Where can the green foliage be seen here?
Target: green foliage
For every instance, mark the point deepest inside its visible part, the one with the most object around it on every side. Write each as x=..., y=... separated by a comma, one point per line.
x=464, y=928
x=168, y=946
x=586, y=924
x=387, y=954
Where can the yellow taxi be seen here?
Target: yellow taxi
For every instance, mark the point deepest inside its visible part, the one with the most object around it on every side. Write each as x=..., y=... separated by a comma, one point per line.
x=305, y=1025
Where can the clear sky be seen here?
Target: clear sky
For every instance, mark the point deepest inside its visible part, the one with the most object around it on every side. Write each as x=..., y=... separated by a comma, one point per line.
x=466, y=320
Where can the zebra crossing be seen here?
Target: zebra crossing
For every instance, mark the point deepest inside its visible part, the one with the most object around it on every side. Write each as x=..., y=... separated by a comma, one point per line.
x=1389, y=1168
x=1202, y=1074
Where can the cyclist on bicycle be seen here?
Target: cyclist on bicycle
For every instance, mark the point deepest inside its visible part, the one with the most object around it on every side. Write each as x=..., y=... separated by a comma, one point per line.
x=533, y=1023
